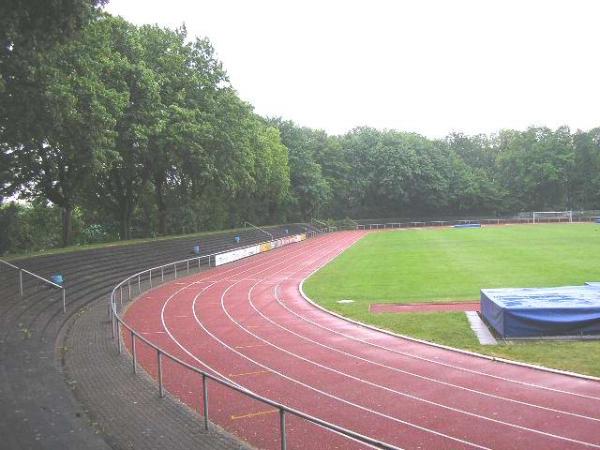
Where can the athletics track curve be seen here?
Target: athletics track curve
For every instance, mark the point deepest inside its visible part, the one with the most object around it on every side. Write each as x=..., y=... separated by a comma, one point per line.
x=247, y=322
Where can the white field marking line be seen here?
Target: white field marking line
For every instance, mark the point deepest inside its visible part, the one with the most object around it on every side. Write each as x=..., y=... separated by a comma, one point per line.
x=252, y=265
x=444, y=364
x=422, y=358
x=508, y=362
x=244, y=263
x=326, y=394
x=166, y=328
x=228, y=379
x=333, y=431
x=423, y=377
x=393, y=391
x=162, y=318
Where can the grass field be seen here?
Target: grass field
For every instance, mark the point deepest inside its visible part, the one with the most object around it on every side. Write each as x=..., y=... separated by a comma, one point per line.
x=425, y=265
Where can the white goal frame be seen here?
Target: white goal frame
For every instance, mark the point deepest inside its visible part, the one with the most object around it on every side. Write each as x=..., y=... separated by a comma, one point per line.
x=554, y=214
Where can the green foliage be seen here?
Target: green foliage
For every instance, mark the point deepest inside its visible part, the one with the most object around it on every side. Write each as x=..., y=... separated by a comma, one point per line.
x=310, y=189
x=136, y=131
x=29, y=228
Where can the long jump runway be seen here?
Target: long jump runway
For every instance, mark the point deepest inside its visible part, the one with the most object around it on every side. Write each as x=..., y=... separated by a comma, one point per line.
x=248, y=322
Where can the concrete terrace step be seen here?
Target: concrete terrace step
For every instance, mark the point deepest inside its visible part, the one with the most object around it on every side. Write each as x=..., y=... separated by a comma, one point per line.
x=61, y=383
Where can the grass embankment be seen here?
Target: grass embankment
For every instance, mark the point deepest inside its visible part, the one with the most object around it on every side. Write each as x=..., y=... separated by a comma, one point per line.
x=426, y=265
x=77, y=248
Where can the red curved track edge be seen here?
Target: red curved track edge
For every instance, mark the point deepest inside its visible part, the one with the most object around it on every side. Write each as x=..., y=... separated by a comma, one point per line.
x=249, y=323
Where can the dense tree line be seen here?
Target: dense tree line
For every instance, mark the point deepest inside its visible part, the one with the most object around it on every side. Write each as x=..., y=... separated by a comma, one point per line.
x=387, y=173
x=111, y=130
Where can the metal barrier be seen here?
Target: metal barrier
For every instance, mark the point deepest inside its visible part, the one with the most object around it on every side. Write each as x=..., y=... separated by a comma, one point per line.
x=441, y=223
x=118, y=324
x=259, y=229
x=44, y=280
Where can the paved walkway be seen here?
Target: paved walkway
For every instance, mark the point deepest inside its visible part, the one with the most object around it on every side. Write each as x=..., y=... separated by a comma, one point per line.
x=62, y=386
x=126, y=407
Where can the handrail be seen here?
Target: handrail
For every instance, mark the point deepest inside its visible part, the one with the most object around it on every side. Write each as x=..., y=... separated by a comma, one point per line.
x=437, y=223
x=259, y=229
x=118, y=322
x=319, y=222
x=44, y=280
x=9, y=264
x=489, y=221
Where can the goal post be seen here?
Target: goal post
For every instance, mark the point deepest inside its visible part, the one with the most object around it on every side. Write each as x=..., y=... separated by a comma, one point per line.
x=552, y=216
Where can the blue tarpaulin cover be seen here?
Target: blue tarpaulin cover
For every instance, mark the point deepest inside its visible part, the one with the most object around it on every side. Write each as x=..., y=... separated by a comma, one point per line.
x=529, y=312
x=467, y=225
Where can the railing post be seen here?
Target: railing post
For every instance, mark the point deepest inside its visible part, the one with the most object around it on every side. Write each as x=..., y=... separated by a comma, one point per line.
x=140, y=284
x=112, y=318
x=199, y=263
x=205, y=400
x=160, y=380
x=64, y=299
x=150, y=278
x=188, y=266
x=21, y=282
x=133, y=352
x=175, y=270
x=282, y=429
x=119, y=336
x=162, y=273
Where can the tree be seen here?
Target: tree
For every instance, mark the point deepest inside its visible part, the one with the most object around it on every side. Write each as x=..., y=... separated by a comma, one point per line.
x=29, y=29
x=191, y=80
x=536, y=166
x=585, y=178
x=63, y=140
x=310, y=191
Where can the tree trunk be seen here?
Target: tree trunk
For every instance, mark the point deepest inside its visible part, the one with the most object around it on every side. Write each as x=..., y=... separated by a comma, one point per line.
x=67, y=215
x=162, y=207
x=124, y=223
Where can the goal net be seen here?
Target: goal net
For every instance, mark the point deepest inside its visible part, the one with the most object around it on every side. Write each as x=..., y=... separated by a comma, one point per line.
x=552, y=216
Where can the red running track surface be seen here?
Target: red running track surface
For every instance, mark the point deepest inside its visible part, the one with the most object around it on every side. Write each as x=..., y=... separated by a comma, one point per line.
x=248, y=323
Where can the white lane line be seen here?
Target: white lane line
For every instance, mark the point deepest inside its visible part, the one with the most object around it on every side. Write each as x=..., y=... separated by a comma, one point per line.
x=416, y=342
x=393, y=391
x=219, y=373
x=433, y=361
x=422, y=377
x=326, y=394
x=252, y=266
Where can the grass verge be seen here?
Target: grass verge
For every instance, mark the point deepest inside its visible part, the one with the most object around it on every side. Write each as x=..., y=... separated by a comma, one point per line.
x=77, y=248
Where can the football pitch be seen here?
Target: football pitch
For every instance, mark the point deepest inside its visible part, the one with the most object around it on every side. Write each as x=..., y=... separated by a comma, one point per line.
x=429, y=265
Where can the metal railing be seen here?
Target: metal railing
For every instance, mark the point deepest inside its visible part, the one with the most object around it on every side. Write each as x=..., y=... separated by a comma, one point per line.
x=40, y=278
x=325, y=227
x=118, y=323
x=259, y=229
x=441, y=223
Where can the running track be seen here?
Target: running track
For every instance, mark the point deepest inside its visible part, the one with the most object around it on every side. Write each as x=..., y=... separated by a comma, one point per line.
x=248, y=323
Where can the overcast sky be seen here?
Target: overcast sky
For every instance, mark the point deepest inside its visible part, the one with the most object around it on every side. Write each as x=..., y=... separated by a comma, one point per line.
x=425, y=66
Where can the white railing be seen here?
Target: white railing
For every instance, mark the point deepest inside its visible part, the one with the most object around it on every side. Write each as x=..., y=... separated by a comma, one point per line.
x=40, y=278
x=118, y=323
x=441, y=223
x=259, y=229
